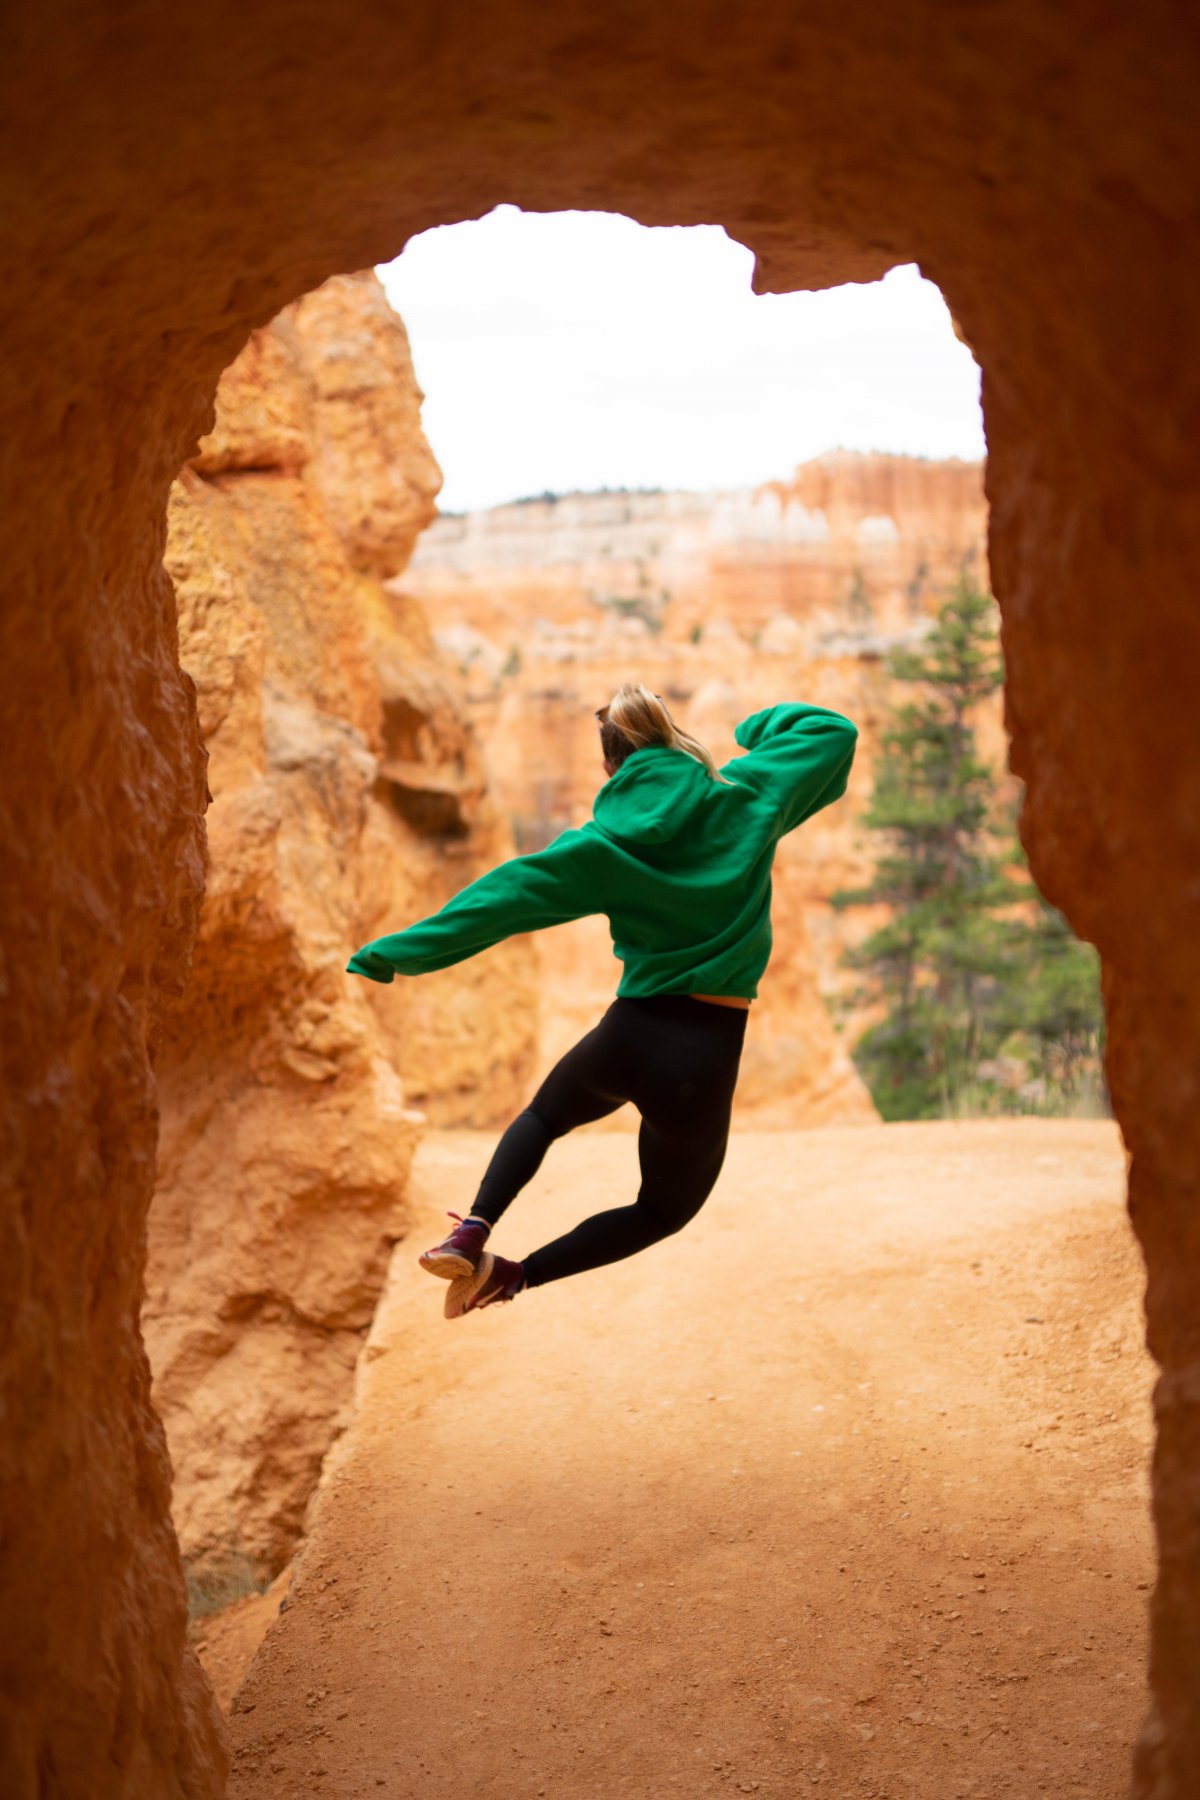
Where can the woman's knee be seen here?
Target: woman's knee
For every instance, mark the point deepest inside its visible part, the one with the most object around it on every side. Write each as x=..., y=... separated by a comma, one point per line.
x=667, y=1216
x=544, y=1122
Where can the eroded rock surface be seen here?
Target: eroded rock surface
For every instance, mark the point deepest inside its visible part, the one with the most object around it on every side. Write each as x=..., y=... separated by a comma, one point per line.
x=348, y=795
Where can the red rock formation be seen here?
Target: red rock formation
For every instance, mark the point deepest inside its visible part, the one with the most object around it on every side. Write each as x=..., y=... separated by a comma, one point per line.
x=175, y=181
x=348, y=797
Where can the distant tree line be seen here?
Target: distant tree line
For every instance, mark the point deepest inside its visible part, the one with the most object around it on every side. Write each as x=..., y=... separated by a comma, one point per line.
x=986, y=1001
x=551, y=496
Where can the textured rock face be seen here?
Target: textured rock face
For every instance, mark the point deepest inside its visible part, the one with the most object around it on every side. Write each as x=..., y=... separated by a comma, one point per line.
x=723, y=603
x=1036, y=159
x=348, y=794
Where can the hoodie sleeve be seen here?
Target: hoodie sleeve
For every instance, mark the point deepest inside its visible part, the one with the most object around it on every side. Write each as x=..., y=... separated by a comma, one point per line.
x=799, y=756
x=526, y=893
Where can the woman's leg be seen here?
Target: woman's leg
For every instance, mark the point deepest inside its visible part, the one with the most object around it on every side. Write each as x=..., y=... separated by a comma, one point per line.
x=587, y=1083
x=677, y=1178
x=683, y=1057
x=677, y=1059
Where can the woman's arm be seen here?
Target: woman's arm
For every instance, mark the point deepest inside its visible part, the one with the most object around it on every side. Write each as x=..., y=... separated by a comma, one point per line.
x=798, y=755
x=526, y=893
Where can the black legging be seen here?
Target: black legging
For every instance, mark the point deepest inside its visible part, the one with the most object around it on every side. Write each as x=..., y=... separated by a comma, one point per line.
x=677, y=1059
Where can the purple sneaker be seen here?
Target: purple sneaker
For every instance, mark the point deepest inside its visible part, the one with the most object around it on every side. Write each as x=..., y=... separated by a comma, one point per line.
x=458, y=1254
x=494, y=1280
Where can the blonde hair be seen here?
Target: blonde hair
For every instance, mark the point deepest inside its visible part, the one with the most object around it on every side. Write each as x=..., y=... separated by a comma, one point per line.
x=634, y=719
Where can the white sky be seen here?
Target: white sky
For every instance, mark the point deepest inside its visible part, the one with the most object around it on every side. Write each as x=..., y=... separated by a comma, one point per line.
x=581, y=350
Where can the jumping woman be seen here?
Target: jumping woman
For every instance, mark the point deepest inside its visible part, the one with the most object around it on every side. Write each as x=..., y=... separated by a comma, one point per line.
x=678, y=855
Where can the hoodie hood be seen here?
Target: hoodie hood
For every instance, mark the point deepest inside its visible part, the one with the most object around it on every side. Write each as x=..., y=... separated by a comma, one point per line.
x=652, y=796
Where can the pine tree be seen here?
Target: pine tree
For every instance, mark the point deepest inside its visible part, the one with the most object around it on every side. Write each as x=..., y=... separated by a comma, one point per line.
x=939, y=961
x=970, y=958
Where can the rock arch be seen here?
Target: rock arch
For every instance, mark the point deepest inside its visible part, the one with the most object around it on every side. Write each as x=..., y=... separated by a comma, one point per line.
x=171, y=180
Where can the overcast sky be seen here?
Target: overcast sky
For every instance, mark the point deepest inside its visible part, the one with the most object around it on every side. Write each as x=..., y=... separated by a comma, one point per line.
x=580, y=350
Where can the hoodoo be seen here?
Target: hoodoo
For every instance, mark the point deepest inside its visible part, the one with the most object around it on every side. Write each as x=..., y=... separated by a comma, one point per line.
x=348, y=792
x=176, y=178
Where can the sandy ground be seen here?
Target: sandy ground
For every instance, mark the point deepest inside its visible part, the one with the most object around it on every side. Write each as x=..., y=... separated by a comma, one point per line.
x=840, y=1491
x=226, y=1642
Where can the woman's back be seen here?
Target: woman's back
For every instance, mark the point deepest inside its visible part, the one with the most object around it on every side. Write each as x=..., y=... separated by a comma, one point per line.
x=684, y=875
x=685, y=878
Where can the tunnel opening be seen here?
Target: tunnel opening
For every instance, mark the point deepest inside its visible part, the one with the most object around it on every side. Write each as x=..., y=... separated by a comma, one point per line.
x=817, y=578
x=649, y=467
x=1060, y=230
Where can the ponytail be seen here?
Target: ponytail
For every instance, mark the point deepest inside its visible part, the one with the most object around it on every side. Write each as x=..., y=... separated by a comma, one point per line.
x=635, y=719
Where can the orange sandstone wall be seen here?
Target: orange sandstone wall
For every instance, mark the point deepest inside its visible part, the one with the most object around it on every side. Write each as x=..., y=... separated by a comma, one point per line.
x=172, y=183
x=348, y=796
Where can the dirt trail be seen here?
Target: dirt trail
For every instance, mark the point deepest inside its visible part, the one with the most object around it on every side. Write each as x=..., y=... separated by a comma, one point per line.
x=840, y=1491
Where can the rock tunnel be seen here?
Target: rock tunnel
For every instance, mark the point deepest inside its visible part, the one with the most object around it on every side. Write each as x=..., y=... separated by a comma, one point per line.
x=172, y=181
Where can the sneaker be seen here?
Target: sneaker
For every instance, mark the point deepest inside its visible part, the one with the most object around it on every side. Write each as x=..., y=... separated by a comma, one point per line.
x=458, y=1254
x=495, y=1279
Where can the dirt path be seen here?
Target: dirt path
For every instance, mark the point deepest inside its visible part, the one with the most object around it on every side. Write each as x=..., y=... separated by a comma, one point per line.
x=841, y=1491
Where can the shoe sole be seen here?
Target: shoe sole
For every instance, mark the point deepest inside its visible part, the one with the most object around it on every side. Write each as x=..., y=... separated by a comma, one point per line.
x=446, y=1263
x=462, y=1291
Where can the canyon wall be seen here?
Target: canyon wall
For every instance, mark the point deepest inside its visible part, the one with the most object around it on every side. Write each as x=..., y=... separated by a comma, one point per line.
x=169, y=186
x=348, y=796
x=723, y=603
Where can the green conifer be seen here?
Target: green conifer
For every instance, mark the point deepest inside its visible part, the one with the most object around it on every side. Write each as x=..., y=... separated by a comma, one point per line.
x=970, y=959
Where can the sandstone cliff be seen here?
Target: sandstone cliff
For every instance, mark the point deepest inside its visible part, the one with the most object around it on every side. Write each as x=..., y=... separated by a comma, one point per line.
x=723, y=603
x=348, y=795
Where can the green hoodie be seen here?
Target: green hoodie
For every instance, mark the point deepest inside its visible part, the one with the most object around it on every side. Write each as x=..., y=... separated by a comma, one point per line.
x=679, y=863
